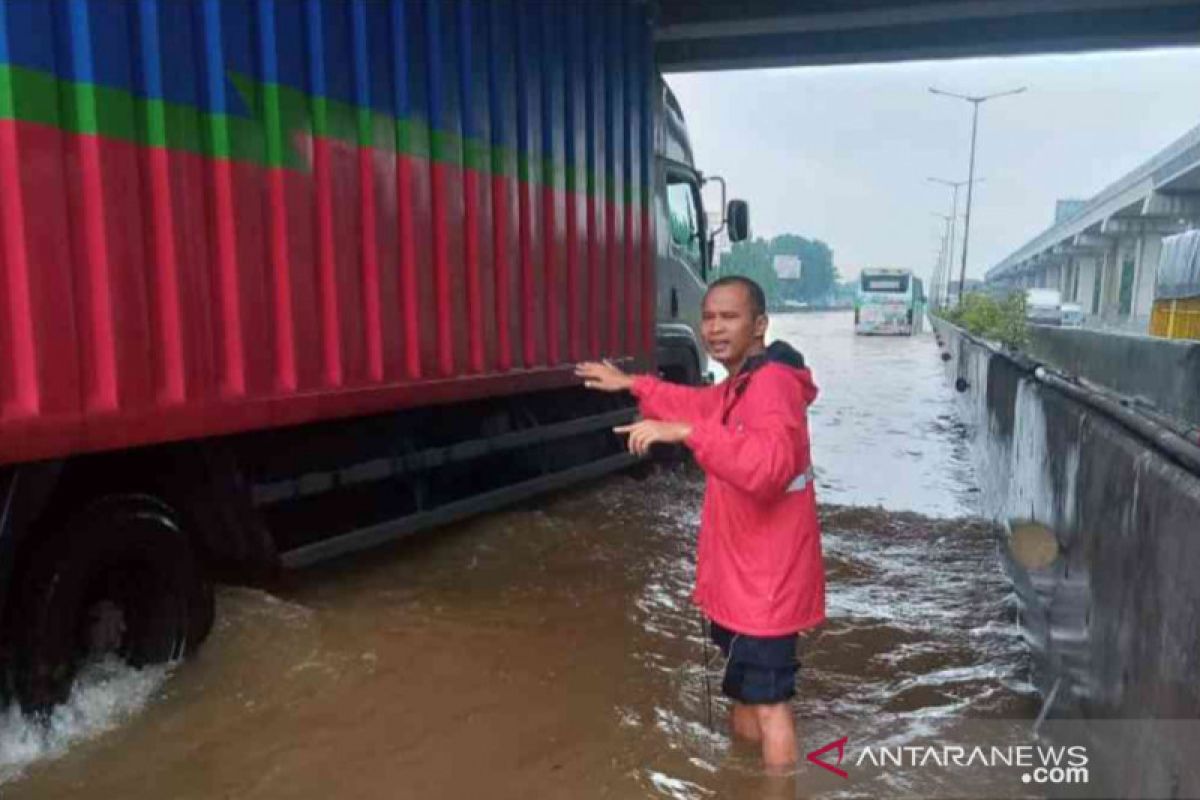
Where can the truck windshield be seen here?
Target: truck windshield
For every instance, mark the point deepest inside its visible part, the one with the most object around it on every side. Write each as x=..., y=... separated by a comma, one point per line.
x=685, y=222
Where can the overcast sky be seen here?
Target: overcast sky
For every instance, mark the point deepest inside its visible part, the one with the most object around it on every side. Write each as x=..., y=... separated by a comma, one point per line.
x=842, y=153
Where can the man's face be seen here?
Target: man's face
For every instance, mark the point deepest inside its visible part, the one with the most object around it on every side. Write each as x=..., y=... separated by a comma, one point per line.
x=728, y=324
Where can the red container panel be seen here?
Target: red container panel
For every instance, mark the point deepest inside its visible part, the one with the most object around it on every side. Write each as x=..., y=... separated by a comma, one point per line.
x=220, y=215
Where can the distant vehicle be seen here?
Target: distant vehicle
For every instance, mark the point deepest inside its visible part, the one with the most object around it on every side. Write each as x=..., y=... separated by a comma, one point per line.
x=1072, y=315
x=889, y=301
x=1043, y=306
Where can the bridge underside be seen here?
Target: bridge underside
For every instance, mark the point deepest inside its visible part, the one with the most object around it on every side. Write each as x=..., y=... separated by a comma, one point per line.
x=744, y=34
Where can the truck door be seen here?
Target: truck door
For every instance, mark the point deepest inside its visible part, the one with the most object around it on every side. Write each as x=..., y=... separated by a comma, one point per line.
x=682, y=270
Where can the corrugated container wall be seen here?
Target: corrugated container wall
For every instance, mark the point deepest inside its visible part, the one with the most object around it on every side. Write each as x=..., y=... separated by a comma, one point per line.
x=220, y=215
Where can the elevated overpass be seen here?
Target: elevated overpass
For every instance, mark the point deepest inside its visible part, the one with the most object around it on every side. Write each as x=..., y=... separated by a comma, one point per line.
x=1104, y=254
x=696, y=35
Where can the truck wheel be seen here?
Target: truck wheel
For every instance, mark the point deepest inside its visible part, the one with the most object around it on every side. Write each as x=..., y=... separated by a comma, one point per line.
x=118, y=578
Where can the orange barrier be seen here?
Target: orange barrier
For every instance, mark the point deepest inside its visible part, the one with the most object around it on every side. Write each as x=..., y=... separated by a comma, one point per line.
x=1176, y=319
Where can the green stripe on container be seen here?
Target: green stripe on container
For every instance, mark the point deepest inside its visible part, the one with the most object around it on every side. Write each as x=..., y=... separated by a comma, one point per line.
x=6, y=94
x=182, y=128
x=341, y=120
x=108, y=109
x=155, y=116
x=218, y=135
x=477, y=155
x=265, y=138
x=550, y=172
x=81, y=104
x=34, y=96
x=366, y=133
x=320, y=116
x=443, y=147
x=272, y=122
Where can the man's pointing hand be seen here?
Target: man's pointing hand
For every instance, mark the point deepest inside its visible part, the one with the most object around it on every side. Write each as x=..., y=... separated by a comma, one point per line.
x=651, y=431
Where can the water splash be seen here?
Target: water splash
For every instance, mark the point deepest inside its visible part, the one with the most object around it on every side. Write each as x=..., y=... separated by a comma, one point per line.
x=106, y=693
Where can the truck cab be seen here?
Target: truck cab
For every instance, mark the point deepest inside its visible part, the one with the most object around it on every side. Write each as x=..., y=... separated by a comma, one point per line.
x=684, y=257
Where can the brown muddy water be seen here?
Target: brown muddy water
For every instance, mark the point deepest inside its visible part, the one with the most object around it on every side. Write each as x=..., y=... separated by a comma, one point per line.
x=551, y=650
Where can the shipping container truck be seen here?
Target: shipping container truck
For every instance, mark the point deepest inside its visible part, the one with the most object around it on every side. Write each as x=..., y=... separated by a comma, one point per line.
x=284, y=280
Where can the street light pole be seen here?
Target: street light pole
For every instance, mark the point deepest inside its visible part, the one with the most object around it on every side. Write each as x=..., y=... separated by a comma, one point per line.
x=935, y=285
x=945, y=256
x=962, y=272
x=955, y=186
x=975, y=101
x=953, y=231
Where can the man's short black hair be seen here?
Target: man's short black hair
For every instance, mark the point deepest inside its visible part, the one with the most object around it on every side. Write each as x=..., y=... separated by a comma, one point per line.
x=758, y=299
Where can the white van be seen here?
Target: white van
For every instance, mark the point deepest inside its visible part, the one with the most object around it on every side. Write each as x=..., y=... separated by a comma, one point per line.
x=1043, y=306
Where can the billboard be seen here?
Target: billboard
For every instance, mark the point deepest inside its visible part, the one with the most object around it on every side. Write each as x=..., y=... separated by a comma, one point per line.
x=787, y=268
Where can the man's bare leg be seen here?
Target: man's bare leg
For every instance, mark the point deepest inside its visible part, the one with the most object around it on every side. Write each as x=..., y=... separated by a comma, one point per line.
x=744, y=722
x=777, y=725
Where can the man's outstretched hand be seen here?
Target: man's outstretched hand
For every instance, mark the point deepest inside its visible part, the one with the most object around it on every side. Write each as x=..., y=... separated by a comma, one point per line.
x=651, y=431
x=603, y=376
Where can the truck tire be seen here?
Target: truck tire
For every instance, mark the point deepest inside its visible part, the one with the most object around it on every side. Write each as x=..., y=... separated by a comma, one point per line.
x=119, y=577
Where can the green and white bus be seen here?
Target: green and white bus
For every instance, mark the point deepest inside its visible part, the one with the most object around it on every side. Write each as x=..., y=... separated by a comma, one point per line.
x=889, y=302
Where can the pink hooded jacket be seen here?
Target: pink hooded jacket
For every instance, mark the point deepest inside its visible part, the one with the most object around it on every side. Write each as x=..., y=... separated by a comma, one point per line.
x=759, y=569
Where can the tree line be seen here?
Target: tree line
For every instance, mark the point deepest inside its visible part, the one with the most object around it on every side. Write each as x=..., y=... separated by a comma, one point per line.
x=756, y=260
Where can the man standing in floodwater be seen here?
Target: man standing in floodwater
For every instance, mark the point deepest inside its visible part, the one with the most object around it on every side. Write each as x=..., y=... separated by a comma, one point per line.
x=760, y=579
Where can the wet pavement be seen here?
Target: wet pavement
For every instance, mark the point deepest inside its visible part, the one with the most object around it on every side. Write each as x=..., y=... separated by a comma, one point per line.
x=551, y=651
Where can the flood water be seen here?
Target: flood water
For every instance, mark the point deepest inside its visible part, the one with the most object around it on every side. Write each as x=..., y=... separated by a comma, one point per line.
x=551, y=651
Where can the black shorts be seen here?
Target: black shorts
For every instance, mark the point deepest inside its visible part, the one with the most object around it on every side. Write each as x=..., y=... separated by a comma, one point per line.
x=759, y=670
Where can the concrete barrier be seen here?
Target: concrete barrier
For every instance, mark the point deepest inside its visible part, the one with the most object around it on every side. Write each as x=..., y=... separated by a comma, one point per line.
x=1163, y=372
x=1113, y=615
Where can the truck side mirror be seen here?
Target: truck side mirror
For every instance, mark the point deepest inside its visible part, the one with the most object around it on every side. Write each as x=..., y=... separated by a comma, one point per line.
x=737, y=216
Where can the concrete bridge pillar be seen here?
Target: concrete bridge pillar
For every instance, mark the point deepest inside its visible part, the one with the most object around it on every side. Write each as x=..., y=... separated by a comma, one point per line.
x=1053, y=276
x=1087, y=292
x=1148, y=252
